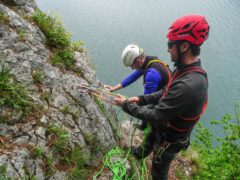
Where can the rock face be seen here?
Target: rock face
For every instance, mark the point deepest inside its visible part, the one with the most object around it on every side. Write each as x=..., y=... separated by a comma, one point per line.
x=67, y=120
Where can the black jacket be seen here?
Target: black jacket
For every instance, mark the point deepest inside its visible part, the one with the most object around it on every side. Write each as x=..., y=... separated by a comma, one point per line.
x=186, y=97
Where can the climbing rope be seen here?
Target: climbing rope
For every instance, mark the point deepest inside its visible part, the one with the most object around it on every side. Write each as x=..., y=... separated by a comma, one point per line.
x=115, y=159
x=98, y=92
x=116, y=163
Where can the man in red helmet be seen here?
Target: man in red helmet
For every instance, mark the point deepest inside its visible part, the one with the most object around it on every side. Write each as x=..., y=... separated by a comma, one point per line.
x=177, y=107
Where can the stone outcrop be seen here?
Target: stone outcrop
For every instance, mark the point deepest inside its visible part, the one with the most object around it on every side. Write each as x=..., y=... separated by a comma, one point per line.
x=27, y=147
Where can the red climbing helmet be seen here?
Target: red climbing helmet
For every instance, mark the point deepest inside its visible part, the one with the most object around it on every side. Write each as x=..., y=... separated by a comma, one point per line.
x=192, y=28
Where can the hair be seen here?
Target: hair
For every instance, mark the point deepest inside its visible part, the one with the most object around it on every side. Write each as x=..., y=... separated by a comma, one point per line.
x=195, y=49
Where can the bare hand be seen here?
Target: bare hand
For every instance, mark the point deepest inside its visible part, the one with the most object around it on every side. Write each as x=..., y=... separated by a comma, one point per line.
x=113, y=88
x=110, y=88
x=134, y=99
x=119, y=99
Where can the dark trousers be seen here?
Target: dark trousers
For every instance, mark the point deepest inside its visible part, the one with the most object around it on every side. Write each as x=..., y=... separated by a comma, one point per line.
x=161, y=165
x=163, y=151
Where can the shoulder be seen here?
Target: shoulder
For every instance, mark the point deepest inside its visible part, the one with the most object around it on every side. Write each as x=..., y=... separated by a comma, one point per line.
x=152, y=73
x=190, y=84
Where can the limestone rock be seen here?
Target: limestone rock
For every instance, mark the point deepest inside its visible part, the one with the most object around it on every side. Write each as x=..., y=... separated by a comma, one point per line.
x=65, y=121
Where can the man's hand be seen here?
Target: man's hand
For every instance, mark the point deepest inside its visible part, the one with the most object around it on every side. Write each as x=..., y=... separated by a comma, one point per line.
x=134, y=99
x=113, y=88
x=119, y=99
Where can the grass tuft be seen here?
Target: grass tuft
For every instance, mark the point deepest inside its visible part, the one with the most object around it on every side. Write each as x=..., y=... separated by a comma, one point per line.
x=13, y=95
x=57, y=36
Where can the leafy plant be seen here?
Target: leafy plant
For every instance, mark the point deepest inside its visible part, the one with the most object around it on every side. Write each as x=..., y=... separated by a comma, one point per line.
x=60, y=137
x=57, y=36
x=220, y=161
x=13, y=95
x=66, y=110
x=21, y=35
x=63, y=59
x=48, y=166
x=38, y=151
x=77, y=46
x=4, y=19
x=78, y=161
x=3, y=170
x=45, y=96
x=37, y=76
x=92, y=141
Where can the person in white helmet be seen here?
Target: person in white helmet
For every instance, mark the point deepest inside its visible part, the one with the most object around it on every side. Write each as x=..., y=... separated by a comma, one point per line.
x=155, y=72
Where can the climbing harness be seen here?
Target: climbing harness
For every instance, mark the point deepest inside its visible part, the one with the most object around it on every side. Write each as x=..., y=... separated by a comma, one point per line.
x=161, y=150
x=165, y=65
x=175, y=76
x=166, y=75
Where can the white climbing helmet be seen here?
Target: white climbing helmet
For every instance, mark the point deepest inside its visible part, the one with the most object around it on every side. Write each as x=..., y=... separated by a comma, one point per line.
x=130, y=53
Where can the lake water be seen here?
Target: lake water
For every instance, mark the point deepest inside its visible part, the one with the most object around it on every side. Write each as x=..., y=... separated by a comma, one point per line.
x=107, y=26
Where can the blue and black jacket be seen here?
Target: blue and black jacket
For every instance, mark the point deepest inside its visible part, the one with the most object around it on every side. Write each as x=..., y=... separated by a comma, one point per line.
x=156, y=75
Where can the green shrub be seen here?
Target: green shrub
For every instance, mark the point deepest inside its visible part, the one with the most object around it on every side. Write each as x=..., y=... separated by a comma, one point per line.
x=63, y=59
x=57, y=36
x=48, y=166
x=3, y=170
x=60, y=39
x=13, y=95
x=60, y=139
x=77, y=160
x=77, y=46
x=38, y=151
x=21, y=35
x=37, y=76
x=220, y=161
x=4, y=19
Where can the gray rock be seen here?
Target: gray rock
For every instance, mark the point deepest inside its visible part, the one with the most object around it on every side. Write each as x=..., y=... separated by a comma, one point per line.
x=59, y=175
x=57, y=100
x=3, y=129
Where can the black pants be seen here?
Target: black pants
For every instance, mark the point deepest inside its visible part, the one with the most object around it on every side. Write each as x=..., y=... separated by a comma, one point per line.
x=164, y=153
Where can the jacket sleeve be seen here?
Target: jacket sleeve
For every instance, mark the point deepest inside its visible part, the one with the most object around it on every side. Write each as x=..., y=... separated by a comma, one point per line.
x=131, y=78
x=175, y=103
